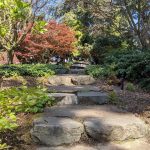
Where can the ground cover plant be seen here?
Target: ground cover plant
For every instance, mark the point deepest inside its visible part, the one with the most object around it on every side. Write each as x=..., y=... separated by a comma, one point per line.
x=100, y=71
x=20, y=100
x=33, y=70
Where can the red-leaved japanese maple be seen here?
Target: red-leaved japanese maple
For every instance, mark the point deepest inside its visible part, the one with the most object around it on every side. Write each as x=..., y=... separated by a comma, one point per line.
x=58, y=39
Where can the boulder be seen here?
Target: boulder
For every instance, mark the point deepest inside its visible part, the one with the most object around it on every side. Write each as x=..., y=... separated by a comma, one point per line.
x=115, y=128
x=52, y=131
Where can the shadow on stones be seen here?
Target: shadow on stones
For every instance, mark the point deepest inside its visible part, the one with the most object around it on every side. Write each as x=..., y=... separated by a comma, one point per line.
x=81, y=113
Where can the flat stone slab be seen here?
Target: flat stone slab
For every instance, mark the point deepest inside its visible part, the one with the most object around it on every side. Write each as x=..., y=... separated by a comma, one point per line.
x=79, y=66
x=92, y=98
x=71, y=80
x=60, y=80
x=130, y=145
x=65, y=98
x=52, y=131
x=77, y=71
x=107, y=123
x=83, y=111
x=73, y=89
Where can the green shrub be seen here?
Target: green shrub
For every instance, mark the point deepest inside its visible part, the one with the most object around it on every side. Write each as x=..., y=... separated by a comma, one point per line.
x=34, y=70
x=21, y=99
x=98, y=71
x=135, y=65
x=130, y=87
x=3, y=145
x=103, y=45
x=145, y=84
x=113, y=98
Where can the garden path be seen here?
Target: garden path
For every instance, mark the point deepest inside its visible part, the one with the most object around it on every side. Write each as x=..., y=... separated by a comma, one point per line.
x=82, y=119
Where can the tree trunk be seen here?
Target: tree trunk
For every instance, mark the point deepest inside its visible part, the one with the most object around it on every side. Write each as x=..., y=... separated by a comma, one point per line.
x=10, y=56
x=135, y=28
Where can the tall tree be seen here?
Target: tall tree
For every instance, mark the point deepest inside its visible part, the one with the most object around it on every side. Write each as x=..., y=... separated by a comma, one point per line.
x=58, y=39
x=137, y=13
x=17, y=16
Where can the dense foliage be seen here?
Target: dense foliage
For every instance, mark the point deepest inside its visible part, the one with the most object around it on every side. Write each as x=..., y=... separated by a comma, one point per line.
x=99, y=71
x=14, y=18
x=103, y=45
x=132, y=65
x=37, y=70
x=21, y=99
x=135, y=65
x=56, y=39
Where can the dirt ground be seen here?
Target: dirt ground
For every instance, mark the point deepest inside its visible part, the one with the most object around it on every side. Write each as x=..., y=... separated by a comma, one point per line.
x=137, y=102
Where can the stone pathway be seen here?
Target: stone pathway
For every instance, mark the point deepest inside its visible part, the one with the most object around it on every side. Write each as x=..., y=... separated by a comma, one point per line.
x=83, y=120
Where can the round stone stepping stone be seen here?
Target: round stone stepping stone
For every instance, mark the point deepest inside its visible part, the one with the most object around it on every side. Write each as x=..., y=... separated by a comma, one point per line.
x=115, y=128
x=64, y=98
x=92, y=98
x=54, y=131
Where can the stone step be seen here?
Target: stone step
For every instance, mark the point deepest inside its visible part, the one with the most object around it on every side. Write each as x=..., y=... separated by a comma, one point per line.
x=65, y=98
x=70, y=80
x=72, y=89
x=92, y=98
x=77, y=71
x=141, y=144
x=103, y=123
x=79, y=66
x=81, y=98
x=55, y=131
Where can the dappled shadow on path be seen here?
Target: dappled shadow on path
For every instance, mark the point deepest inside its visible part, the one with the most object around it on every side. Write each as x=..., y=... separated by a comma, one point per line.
x=102, y=124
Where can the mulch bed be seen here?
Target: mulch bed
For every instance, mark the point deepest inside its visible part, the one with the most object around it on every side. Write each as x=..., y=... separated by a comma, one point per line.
x=137, y=102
